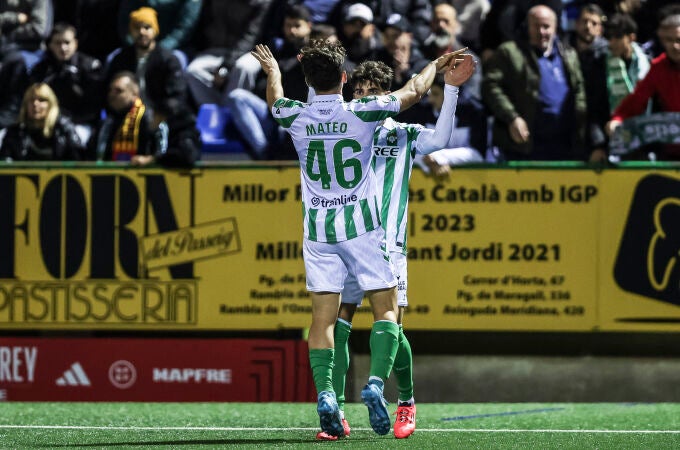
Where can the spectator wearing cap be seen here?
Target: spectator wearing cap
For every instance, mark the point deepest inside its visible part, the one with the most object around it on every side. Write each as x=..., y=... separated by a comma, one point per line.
x=359, y=35
x=177, y=20
x=160, y=75
x=418, y=13
x=398, y=51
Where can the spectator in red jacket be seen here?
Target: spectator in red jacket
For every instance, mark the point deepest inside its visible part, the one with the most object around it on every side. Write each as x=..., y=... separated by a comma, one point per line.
x=662, y=84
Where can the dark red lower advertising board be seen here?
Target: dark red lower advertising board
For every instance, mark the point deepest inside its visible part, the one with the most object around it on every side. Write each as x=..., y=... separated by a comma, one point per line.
x=164, y=370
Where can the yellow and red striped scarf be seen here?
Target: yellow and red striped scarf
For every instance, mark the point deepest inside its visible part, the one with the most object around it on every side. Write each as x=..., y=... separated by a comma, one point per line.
x=126, y=138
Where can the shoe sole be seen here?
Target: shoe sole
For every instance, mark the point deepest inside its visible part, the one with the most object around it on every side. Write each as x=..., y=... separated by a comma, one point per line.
x=404, y=436
x=377, y=411
x=329, y=419
x=323, y=436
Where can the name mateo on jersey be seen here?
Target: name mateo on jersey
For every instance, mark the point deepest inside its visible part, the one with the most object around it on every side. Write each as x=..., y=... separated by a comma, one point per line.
x=326, y=128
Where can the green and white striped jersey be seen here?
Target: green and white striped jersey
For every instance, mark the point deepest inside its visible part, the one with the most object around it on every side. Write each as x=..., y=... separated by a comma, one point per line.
x=394, y=146
x=333, y=139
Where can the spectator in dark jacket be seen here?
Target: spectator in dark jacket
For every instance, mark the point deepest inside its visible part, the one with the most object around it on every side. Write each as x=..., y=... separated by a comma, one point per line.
x=535, y=91
x=591, y=48
x=399, y=51
x=159, y=72
x=131, y=133
x=127, y=131
x=74, y=77
x=42, y=133
x=96, y=22
x=23, y=26
x=227, y=31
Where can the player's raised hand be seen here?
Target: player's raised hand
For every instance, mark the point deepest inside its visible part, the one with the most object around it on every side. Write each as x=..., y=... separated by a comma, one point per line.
x=461, y=70
x=445, y=60
x=266, y=58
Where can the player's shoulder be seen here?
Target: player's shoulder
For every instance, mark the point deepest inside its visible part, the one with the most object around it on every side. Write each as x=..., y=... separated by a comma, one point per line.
x=410, y=129
x=286, y=110
x=287, y=104
x=373, y=101
x=374, y=108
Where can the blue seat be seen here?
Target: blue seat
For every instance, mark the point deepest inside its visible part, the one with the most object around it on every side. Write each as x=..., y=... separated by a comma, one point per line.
x=212, y=122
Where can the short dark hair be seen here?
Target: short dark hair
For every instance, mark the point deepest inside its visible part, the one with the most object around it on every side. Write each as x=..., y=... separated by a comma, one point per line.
x=376, y=72
x=322, y=63
x=61, y=28
x=322, y=31
x=593, y=8
x=619, y=25
x=297, y=12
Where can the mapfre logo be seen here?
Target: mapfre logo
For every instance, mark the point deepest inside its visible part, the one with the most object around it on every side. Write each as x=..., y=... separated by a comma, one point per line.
x=648, y=263
x=74, y=376
x=190, y=375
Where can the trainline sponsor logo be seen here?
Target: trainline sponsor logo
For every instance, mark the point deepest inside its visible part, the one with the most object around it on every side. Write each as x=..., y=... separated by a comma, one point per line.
x=74, y=376
x=337, y=201
x=191, y=375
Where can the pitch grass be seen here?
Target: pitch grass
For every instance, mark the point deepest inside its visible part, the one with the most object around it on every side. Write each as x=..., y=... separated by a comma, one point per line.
x=294, y=425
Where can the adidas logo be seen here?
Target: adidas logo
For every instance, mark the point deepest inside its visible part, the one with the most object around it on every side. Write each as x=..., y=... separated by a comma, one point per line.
x=74, y=376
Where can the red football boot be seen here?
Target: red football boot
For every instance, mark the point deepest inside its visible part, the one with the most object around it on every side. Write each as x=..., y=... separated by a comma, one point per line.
x=405, y=424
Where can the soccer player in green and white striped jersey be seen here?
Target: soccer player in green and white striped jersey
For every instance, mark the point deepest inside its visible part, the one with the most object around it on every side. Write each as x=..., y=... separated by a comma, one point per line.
x=342, y=233
x=394, y=146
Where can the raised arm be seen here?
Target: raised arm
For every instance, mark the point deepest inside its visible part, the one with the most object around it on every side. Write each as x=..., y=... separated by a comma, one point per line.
x=442, y=135
x=271, y=67
x=416, y=87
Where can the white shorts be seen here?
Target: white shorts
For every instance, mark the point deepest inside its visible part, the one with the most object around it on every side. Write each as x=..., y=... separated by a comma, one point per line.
x=353, y=294
x=364, y=257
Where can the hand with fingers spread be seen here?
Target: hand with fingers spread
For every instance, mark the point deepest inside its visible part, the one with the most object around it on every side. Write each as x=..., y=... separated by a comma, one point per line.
x=266, y=59
x=461, y=71
x=271, y=67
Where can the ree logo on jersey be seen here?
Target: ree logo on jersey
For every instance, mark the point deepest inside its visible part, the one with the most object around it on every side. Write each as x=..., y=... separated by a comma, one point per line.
x=391, y=150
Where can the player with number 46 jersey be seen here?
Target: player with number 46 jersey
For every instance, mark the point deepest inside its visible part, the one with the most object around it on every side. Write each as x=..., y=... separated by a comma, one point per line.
x=342, y=232
x=335, y=141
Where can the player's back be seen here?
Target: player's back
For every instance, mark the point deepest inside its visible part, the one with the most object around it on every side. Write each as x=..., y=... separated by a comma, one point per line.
x=333, y=140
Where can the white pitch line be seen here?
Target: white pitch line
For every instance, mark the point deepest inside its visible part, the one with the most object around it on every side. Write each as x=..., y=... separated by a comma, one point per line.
x=420, y=430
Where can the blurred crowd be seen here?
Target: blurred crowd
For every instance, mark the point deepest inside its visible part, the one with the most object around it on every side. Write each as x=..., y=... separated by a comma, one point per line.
x=124, y=80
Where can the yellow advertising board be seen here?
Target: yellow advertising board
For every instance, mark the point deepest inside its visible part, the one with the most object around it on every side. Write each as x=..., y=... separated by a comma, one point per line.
x=219, y=248
x=639, y=284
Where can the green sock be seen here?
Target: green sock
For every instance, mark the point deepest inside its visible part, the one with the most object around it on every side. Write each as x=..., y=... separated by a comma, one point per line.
x=383, y=342
x=403, y=367
x=321, y=360
x=341, y=360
